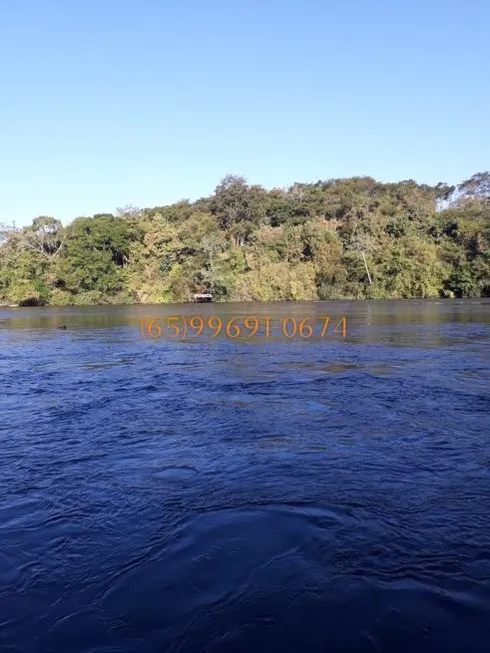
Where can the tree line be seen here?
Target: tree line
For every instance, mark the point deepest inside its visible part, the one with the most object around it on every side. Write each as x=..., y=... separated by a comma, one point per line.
x=351, y=238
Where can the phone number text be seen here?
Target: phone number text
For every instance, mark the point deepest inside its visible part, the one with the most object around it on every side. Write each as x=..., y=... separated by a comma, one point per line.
x=245, y=327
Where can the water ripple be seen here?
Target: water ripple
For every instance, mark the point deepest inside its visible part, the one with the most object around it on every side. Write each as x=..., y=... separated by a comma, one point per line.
x=220, y=496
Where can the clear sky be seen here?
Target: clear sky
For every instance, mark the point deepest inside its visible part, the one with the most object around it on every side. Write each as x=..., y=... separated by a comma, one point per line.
x=105, y=103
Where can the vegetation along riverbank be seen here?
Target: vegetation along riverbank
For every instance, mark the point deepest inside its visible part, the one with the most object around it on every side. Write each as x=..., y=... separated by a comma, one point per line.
x=337, y=239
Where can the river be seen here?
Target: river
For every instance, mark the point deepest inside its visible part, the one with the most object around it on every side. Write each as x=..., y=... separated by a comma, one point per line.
x=252, y=494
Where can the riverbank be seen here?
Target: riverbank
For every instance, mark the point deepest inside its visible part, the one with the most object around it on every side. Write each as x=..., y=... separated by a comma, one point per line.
x=219, y=301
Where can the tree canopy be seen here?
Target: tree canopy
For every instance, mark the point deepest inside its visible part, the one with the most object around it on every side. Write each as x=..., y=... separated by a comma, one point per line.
x=333, y=239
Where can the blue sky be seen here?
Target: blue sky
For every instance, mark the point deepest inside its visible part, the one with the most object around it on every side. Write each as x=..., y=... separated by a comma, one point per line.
x=105, y=103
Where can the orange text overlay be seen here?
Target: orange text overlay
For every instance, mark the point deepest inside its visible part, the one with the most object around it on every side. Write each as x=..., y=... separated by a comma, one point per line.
x=180, y=327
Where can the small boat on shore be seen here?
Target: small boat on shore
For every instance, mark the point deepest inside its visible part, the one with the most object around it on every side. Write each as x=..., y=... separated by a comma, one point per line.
x=201, y=297
x=9, y=306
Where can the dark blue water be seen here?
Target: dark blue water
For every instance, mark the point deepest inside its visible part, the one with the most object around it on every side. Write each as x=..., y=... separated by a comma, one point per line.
x=215, y=495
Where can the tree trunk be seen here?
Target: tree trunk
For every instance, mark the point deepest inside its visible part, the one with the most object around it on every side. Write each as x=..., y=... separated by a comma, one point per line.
x=365, y=265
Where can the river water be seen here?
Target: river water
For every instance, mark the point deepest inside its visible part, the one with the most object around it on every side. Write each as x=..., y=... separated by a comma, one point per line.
x=214, y=494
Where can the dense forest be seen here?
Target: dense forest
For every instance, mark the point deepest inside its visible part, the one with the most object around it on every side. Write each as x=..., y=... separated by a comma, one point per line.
x=342, y=238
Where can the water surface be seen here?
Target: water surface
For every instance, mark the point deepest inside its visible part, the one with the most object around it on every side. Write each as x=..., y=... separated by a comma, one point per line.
x=246, y=495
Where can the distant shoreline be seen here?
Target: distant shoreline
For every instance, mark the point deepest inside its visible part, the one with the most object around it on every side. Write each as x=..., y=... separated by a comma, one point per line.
x=338, y=239
x=252, y=301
